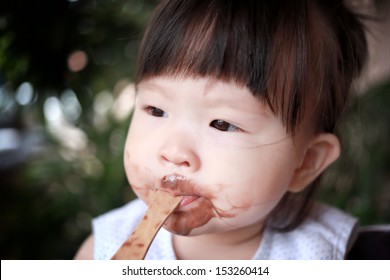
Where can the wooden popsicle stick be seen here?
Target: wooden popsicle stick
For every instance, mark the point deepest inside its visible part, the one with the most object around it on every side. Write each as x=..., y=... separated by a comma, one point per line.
x=137, y=245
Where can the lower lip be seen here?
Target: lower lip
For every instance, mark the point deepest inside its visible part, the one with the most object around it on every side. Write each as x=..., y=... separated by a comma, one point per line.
x=187, y=199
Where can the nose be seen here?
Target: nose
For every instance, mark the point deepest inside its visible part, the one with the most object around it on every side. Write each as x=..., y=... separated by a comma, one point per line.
x=180, y=153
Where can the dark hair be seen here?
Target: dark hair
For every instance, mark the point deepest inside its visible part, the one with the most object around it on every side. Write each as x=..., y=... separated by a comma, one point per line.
x=300, y=57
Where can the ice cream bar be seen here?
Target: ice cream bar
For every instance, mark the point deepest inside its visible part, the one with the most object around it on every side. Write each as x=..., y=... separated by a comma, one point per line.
x=137, y=245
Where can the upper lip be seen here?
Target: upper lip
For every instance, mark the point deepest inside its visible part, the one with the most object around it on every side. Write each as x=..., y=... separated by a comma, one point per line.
x=173, y=178
x=178, y=185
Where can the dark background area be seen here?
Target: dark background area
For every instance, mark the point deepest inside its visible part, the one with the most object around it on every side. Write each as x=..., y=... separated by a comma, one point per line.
x=66, y=68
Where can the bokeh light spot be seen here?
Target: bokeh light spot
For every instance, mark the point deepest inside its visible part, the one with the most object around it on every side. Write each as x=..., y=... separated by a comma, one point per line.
x=24, y=94
x=77, y=61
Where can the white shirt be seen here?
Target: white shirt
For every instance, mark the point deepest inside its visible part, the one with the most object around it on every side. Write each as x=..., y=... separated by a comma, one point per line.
x=326, y=234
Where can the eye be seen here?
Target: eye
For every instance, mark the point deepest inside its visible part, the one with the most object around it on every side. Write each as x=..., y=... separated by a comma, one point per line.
x=224, y=126
x=156, y=112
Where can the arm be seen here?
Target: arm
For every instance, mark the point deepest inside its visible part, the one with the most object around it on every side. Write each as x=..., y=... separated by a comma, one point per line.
x=85, y=251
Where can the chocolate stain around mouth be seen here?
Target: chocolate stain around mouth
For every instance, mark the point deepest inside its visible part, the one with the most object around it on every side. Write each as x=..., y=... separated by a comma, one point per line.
x=183, y=220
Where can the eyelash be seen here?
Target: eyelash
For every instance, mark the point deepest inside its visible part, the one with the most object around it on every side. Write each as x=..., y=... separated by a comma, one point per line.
x=224, y=126
x=217, y=124
x=154, y=111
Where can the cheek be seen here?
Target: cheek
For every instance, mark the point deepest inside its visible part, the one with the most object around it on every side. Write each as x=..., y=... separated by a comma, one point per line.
x=249, y=184
x=139, y=176
x=252, y=215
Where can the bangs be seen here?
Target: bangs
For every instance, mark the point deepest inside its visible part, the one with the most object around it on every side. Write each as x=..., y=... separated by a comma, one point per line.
x=208, y=38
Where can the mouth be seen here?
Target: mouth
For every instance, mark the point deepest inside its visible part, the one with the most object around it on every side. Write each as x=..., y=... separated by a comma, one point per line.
x=187, y=200
x=181, y=186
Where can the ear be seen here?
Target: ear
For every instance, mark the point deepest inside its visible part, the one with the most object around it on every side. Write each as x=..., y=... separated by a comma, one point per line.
x=322, y=151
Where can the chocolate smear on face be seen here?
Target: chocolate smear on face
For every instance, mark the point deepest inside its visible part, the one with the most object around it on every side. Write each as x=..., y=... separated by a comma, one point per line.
x=184, y=219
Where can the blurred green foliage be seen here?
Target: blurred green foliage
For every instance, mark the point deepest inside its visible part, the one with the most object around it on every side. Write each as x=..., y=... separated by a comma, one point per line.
x=51, y=185
x=359, y=181
x=49, y=196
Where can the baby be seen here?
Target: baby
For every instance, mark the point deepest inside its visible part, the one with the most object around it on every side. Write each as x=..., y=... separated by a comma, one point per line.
x=237, y=104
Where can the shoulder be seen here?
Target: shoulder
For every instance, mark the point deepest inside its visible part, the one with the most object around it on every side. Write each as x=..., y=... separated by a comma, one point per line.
x=332, y=229
x=111, y=229
x=326, y=234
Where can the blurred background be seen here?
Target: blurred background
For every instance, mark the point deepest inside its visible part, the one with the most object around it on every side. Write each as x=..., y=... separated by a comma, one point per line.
x=66, y=95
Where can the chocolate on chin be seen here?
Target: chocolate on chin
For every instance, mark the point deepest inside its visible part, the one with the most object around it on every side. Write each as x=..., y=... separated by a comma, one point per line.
x=137, y=245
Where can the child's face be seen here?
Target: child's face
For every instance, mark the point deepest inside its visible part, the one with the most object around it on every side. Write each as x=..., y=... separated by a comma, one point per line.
x=213, y=143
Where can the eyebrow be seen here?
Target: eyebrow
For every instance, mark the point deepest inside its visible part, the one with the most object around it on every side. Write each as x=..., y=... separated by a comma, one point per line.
x=151, y=87
x=262, y=109
x=259, y=108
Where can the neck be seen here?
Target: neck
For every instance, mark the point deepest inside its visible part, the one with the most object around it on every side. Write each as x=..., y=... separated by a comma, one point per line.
x=237, y=244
